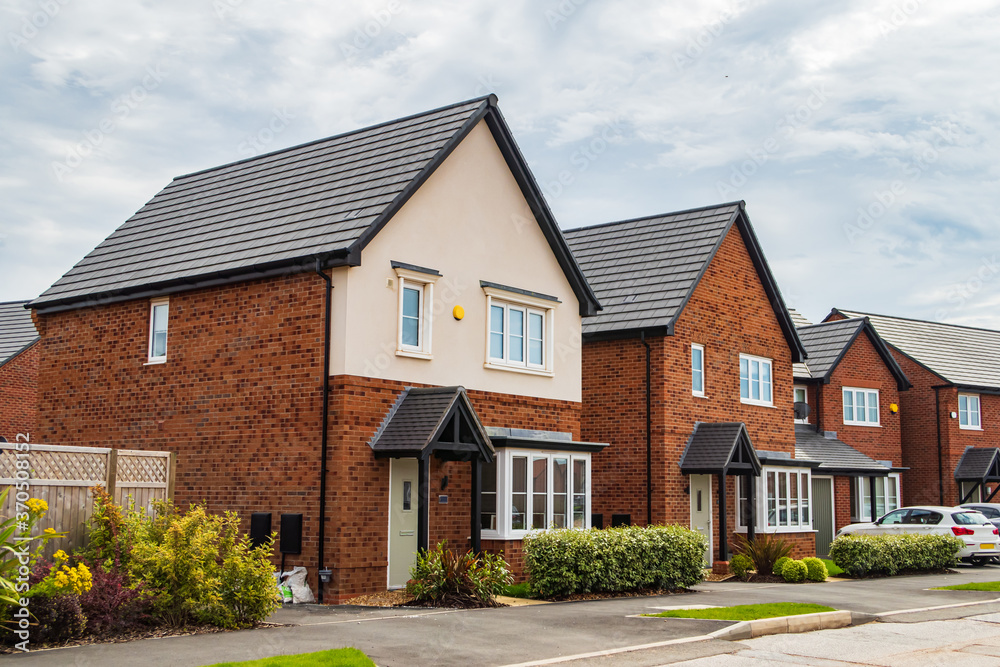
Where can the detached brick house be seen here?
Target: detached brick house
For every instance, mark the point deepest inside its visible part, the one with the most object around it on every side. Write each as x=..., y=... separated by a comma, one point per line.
x=18, y=371
x=379, y=331
x=687, y=372
x=950, y=419
x=852, y=385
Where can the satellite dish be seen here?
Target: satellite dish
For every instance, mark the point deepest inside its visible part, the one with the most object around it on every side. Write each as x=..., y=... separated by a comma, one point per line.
x=801, y=409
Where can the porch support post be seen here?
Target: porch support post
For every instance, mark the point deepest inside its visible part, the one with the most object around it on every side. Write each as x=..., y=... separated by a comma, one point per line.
x=751, y=483
x=477, y=475
x=981, y=486
x=423, y=503
x=871, y=497
x=723, y=530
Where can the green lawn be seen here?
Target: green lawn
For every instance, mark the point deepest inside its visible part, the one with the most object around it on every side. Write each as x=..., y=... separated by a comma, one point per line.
x=975, y=586
x=746, y=612
x=517, y=591
x=831, y=567
x=339, y=657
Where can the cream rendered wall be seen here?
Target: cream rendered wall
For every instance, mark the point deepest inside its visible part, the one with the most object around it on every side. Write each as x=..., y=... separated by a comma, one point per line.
x=470, y=222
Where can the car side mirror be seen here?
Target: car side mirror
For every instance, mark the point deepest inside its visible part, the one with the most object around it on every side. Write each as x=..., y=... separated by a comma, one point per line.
x=878, y=522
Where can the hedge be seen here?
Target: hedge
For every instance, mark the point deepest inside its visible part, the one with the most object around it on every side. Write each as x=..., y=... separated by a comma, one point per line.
x=563, y=562
x=861, y=555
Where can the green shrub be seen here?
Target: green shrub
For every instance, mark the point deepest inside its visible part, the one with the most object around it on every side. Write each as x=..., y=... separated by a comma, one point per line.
x=15, y=538
x=563, y=562
x=794, y=571
x=779, y=565
x=765, y=549
x=443, y=577
x=863, y=555
x=740, y=566
x=816, y=569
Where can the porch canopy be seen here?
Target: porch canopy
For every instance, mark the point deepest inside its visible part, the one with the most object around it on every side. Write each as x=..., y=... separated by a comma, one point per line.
x=981, y=466
x=439, y=421
x=723, y=448
x=836, y=457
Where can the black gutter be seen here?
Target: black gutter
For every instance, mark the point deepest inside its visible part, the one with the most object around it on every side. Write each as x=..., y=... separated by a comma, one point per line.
x=937, y=420
x=649, y=433
x=326, y=426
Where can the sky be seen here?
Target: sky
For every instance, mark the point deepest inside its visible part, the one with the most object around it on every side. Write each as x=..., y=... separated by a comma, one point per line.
x=864, y=136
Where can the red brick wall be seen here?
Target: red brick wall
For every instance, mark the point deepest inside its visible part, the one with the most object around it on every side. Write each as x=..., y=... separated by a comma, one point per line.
x=19, y=395
x=955, y=439
x=729, y=313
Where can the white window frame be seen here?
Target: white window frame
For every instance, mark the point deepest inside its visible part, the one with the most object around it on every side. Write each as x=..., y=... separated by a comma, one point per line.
x=868, y=392
x=695, y=369
x=424, y=282
x=861, y=508
x=150, y=357
x=529, y=306
x=505, y=490
x=805, y=393
x=968, y=412
x=803, y=503
x=749, y=358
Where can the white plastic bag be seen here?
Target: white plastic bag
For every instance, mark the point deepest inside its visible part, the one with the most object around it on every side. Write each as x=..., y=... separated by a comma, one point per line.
x=296, y=580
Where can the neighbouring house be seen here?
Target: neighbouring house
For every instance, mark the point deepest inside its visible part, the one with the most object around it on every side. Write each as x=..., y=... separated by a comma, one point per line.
x=951, y=417
x=378, y=331
x=848, y=394
x=18, y=371
x=687, y=372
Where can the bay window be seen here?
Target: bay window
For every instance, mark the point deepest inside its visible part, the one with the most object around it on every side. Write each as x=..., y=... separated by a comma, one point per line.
x=783, y=500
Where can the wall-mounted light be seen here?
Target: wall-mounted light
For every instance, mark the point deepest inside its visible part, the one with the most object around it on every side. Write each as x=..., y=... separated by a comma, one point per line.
x=954, y=415
x=458, y=312
x=893, y=408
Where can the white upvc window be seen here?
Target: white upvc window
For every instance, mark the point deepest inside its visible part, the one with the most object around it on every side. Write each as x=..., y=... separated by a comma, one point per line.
x=861, y=406
x=159, y=315
x=755, y=380
x=525, y=490
x=969, y=416
x=697, y=369
x=801, y=395
x=416, y=313
x=886, y=497
x=783, y=500
x=519, y=332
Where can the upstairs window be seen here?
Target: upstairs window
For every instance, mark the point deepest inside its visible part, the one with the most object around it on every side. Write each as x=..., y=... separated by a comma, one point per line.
x=861, y=406
x=755, y=380
x=697, y=369
x=518, y=329
x=416, y=301
x=968, y=412
x=159, y=312
x=801, y=396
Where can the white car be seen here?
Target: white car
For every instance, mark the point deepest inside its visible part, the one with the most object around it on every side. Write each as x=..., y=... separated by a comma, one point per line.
x=981, y=537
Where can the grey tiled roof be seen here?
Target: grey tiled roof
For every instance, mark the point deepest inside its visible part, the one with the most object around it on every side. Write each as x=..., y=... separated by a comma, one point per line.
x=978, y=463
x=713, y=446
x=417, y=418
x=645, y=270
x=825, y=343
x=833, y=455
x=964, y=356
x=314, y=198
x=17, y=331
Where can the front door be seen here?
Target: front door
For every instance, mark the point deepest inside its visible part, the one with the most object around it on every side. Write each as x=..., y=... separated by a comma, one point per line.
x=701, y=509
x=402, y=520
x=823, y=520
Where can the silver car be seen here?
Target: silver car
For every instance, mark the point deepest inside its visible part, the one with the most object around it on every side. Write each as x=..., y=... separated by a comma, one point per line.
x=981, y=537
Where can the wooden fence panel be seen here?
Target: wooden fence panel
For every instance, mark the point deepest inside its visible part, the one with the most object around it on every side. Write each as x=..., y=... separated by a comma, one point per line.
x=62, y=477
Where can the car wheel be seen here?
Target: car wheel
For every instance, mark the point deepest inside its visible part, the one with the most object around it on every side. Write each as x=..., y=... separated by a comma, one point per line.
x=979, y=561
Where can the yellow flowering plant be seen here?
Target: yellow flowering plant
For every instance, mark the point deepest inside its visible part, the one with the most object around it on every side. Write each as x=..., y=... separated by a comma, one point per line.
x=15, y=538
x=63, y=578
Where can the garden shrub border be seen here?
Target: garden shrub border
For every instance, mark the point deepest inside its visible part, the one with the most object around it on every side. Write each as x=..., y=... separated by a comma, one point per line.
x=865, y=555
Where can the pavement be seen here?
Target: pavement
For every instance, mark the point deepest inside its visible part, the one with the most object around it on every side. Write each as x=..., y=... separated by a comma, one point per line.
x=597, y=632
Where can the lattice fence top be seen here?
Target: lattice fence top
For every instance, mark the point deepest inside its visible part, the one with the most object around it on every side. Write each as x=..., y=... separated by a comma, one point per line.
x=133, y=468
x=68, y=466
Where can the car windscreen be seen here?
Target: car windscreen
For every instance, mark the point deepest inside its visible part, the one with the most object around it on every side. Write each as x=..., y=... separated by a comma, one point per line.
x=970, y=519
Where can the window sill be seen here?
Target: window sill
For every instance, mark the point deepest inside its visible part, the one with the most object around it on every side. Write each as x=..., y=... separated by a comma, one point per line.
x=772, y=529
x=514, y=536
x=970, y=428
x=756, y=403
x=702, y=395
x=518, y=369
x=413, y=354
x=155, y=362
x=863, y=424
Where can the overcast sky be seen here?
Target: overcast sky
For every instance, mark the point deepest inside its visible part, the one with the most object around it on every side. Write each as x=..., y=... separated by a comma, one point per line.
x=864, y=136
